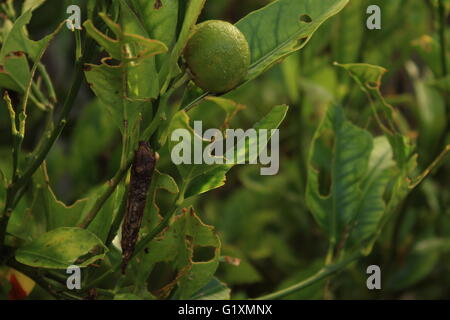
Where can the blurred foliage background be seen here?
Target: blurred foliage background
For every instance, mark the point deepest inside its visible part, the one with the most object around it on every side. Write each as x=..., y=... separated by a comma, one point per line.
x=263, y=220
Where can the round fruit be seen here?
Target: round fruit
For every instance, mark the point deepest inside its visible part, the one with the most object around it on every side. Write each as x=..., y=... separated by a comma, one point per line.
x=217, y=55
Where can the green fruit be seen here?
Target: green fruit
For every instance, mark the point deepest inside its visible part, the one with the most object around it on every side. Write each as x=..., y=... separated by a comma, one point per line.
x=217, y=55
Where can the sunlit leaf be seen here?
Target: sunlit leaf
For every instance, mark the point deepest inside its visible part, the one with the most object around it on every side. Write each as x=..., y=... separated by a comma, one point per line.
x=160, y=22
x=125, y=88
x=271, y=38
x=62, y=247
x=204, y=177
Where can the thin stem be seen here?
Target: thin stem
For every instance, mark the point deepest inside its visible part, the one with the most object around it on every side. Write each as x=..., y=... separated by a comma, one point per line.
x=190, y=105
x=39, y=95
x=16, y=134
x=320, y=275
x=104, y=197
x=428, y=170
x=48, y=83
x=118, y=219
x=160, y=115
x=42, y=153
x=330, y=253
x=67, y=107
x=5, y=218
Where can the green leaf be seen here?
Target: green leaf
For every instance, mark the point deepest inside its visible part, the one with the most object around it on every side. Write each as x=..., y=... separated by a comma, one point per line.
x=209, y=180
x=17, y=40
x=201, y=178
x=348, y=155
x=430, y=109
x=102, y=222
x=42, y=211
x=369, y=78
x=229, y=106
x=241, y=271
x=159, y=22
x=125, y=88
x=272, y=38
x=372, y=205
x=152, y=217
x=14, y=69
x=350, y=22
x=180, y=246
x=214, y=290
x=18, y=79
x=141, y=77
x=62, y=247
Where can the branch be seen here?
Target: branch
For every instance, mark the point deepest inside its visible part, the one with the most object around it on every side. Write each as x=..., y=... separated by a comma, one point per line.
x=104, y=197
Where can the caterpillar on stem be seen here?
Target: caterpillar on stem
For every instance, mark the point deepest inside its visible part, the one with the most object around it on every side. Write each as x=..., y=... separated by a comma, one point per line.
x=141, y=175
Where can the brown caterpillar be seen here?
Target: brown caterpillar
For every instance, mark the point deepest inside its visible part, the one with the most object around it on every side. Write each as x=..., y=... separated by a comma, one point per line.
x=141, y=175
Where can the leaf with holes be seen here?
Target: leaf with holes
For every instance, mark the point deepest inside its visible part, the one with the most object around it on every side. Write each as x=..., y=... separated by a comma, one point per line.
x=369, y=77
x=371, y=208
x=190, y=248
x=203, y=177
x=159, y=19
x=348, y=151
x=126, y=87
x=283, y=27
x=14, y=69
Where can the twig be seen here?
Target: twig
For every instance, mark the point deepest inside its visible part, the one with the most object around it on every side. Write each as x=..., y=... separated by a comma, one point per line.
x=48, y=83
x=104, y=197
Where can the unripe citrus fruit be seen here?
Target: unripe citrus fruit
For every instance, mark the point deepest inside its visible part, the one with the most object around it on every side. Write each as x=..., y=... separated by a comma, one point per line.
x=217, y=55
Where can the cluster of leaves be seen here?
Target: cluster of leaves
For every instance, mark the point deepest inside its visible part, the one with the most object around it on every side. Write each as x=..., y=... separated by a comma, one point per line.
x=141, y=85
x=356, y=167
x=351, y=164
